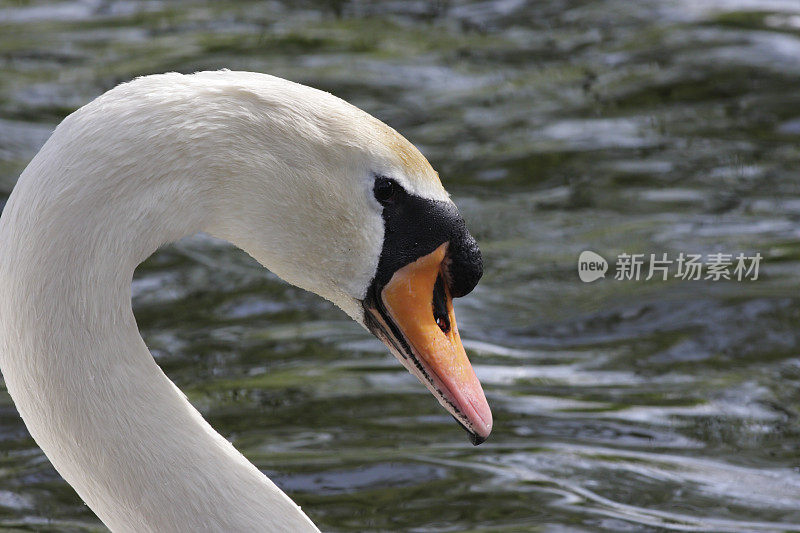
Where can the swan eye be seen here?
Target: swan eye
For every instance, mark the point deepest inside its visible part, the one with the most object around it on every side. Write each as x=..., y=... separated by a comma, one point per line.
x=385, y=189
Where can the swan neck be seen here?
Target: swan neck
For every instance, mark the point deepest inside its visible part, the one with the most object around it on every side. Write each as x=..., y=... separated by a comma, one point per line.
x=113, y=425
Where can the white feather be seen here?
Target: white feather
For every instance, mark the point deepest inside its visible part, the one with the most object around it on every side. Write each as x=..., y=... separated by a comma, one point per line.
x=281, y=170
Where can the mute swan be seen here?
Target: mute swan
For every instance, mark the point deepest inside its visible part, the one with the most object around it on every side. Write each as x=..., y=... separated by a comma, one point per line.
x=324, y=195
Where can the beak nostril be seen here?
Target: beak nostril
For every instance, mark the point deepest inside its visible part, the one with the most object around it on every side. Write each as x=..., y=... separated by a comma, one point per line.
x=440, y=305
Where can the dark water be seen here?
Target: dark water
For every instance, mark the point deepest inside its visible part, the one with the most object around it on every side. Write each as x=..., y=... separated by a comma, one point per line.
x=616, y=126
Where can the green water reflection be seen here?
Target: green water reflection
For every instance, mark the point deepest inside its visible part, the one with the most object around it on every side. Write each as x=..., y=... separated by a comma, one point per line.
x=616, y=126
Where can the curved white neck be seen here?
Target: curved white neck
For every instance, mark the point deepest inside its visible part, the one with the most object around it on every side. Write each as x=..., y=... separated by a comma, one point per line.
x=114, y=426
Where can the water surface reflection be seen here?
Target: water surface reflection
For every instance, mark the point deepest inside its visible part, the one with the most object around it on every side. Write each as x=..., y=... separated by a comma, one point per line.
x=614, y=126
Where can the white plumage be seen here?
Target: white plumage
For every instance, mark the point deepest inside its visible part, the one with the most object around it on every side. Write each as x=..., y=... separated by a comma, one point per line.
x=279, y=169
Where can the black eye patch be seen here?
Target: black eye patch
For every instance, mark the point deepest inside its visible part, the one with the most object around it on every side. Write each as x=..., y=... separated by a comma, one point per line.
x=415, y=227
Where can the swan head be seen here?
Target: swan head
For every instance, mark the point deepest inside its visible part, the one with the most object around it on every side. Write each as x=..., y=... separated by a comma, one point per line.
x=336, y=202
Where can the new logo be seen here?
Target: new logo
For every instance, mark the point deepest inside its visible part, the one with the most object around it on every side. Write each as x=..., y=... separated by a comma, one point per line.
x=591, y=266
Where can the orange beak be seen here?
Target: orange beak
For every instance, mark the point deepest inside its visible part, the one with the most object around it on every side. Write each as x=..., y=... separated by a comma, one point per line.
x=423, y=334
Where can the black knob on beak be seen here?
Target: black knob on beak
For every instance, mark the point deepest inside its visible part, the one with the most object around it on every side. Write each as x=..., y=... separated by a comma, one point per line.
x=464, y=264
